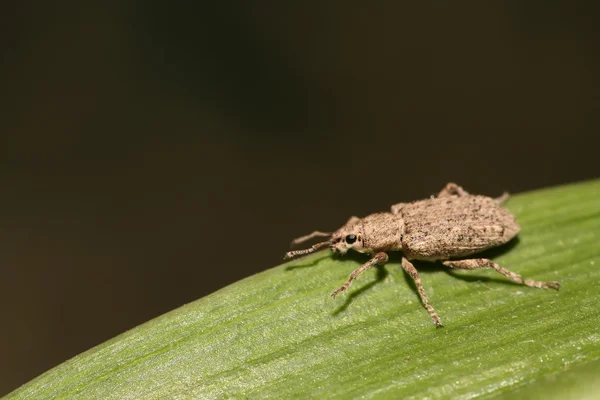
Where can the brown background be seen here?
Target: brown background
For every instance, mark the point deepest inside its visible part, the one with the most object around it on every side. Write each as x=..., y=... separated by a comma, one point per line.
x=151, y=154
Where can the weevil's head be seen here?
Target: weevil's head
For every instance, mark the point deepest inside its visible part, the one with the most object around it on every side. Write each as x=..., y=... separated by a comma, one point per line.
x=349, y=236
x=346, y=238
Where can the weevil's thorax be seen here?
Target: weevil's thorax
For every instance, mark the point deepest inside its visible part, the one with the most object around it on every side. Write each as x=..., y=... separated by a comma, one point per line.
x=383, y=232
x=376, y=232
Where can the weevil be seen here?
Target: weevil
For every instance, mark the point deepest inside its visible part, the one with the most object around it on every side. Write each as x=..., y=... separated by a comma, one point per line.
x=448, y=228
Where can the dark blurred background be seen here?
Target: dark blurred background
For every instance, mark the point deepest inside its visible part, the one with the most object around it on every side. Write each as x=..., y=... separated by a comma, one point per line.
x=153, y=153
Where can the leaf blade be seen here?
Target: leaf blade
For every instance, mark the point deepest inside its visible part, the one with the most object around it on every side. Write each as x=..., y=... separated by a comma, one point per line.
x=277, y=334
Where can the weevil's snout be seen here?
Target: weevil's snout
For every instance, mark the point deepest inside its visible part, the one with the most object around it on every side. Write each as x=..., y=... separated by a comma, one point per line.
x=337, y=245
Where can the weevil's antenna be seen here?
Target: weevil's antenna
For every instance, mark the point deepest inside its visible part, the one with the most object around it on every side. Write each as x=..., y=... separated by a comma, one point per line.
x=311, y=249
x=315, y=234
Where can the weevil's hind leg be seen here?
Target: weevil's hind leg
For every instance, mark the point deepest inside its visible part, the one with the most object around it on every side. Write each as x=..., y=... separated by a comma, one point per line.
x=352, y=221
x=502, y=198
x=414, y=274
x=379, y=258
x=305, y=238
x=452, y=189
x=477, y=263
x=397, y=207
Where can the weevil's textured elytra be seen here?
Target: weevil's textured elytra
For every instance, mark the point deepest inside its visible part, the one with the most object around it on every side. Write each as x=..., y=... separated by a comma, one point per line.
x=454, y=224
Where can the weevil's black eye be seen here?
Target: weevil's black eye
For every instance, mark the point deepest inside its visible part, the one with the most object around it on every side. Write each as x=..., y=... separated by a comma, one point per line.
x=350, y=239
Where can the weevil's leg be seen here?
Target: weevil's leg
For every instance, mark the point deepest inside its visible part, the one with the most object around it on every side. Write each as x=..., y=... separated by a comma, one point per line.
x=397, y=207
x=315, y=234
x=477, y=263
x=379, y=258
x=414, y=274
x=352, y=221
x=452, y=189
x=502, y=198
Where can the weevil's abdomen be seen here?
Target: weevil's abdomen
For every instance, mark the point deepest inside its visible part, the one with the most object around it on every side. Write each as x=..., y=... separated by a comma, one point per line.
x=453, y=226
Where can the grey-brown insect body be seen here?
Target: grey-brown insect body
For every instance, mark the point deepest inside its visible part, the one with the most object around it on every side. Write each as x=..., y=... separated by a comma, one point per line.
x=445, y=228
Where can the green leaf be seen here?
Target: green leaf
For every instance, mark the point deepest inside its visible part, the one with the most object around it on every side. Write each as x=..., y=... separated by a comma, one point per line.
x=278, y=334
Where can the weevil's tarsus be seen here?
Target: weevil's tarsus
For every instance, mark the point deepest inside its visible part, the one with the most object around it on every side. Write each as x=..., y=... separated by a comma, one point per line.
x=378, y=259
x=502, y=198
x=311, y=249
x=310, y=236
x=414, y=274
x=452, y=189
x=396, y=208
x=477, y=263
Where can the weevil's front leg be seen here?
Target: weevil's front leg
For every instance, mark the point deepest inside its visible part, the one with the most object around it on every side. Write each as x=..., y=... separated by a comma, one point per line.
x=352, y=221
x=414, y=274
x=452, y=189
x=397, y=207
x=502, y=198
x=379, y=258
x=477, y=263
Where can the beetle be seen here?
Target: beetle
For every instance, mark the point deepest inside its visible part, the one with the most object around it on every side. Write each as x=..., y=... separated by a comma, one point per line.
x=448, y=228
